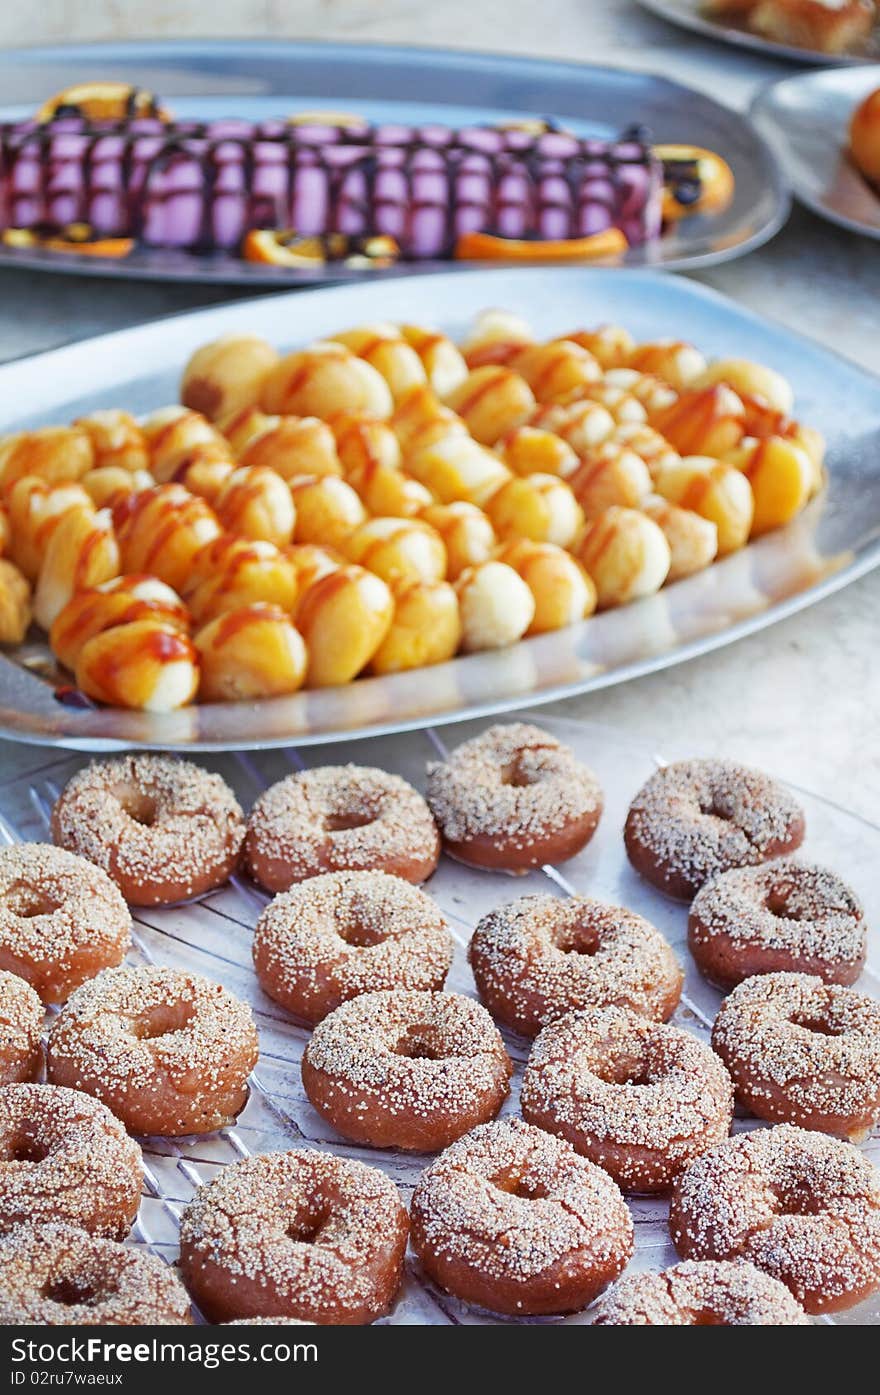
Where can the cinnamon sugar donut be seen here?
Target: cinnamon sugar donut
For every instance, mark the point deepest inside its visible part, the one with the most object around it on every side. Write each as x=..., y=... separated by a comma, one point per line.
x=168, y=1051
x=21, y=1025
x=295, y=1235
x=697, y=818
x=786, y=916
x=59, y=1276
x=540, y=957
x=64, y=1157
x=61, y=919
x=803, y=1052
x=339, y=818
x=512, y=1219
x=406, y=1070
x=163, y=829
x=639, y=1098
x=333, y=937
x=514, y=798
x=803, y=1207
x=700, y=1293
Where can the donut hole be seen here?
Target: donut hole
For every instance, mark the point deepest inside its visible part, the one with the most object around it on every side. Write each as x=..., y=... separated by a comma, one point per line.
x=799, y=1198
x=72, y=1291
x=576, y=939
x=716, y=807
x=162, y=1019
x=623, y=1070
x=307, y=1224
x=779, y=904
x=360, y=935
x=821, y=1026
x=420, y=1043
x=141, y=808
x=23, y=1147
x=516, y=776
x=346, y=820
x=520, y=1185
x=27, y=902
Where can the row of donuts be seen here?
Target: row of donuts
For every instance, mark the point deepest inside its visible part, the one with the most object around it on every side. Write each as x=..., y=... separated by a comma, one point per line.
x=459, y=498
x=418, y=1053
x=511, y=1217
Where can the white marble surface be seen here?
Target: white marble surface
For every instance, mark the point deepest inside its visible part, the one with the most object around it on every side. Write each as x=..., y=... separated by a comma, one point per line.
x=800, y=698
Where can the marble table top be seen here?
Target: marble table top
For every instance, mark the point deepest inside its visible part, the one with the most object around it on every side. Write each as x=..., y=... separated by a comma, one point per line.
x=800, y=698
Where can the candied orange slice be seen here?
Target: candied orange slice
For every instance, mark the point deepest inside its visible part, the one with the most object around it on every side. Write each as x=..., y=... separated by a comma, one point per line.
x=100, y=247
x=283, y=247
x=103, y=101
x=481, y=247
x=696, y=181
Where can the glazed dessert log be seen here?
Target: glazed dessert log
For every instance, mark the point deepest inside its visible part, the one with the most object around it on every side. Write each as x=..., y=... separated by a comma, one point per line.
x=192, y=184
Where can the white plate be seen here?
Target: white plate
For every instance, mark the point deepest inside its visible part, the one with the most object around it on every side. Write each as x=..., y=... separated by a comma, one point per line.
x=688, y=14
x=213, y=937
x=806, y=120
x=835, y=540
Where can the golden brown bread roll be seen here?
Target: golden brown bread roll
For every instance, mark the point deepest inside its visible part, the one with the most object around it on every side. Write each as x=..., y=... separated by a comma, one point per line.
x=117, y=439
x=146, y=664
x=562, y=590
x=626, y=555
x=491, y=402
x=81, y=552
x=15, y=603
x=227, y=375
x=325, y=379
x=715, y=490
x=425, y=628
x=467, y=534
x=251, y=652
x=343, y=619
x=53, y=454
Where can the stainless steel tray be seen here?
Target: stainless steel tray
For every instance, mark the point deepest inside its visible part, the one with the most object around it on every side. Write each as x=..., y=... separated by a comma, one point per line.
x=258, y=79
x=213, y=936
x=833, y=542
x=806, y=120
x=688, y=14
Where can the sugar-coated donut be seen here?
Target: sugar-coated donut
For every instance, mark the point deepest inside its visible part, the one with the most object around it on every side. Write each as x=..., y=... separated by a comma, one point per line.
x=641, y=1099
x=168, y=1051
x=512, y=1219
x=295, y=1235
x=60, y=1276
x=801, y=1206
x=804, y=1052
x=62, y=919
x=785, y=916
x=162, y=829
x=700, y=1293
x=539, y=957
x=335, y=936
x=406, y=1070
x=513, y=798
x=21, y=1023
x=339, y=818
x=696, y=818
x=65, y=1157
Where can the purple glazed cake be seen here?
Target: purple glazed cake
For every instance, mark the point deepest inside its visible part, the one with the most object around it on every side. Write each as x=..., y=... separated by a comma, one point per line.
x=203, y=186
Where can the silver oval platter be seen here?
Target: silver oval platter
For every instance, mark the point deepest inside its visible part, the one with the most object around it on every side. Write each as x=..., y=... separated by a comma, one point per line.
x=835, y=540
x=688, y=14
x=258, y=80
x=806, y=120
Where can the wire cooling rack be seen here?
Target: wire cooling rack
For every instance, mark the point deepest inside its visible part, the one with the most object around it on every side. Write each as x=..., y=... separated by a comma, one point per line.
x=212, y=935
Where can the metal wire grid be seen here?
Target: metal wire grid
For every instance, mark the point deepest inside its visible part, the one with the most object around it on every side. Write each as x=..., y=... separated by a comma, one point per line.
x=211, y=934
